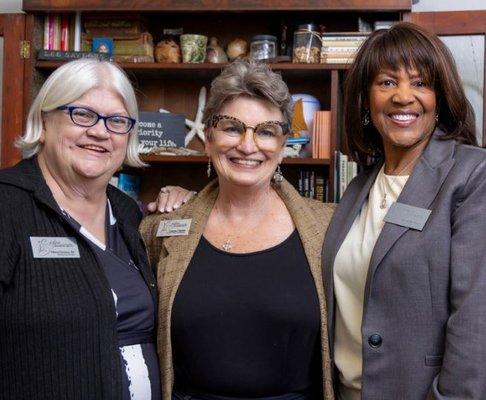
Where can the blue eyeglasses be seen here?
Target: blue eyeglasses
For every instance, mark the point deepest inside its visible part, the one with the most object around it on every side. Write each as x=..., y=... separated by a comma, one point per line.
x=86, y=118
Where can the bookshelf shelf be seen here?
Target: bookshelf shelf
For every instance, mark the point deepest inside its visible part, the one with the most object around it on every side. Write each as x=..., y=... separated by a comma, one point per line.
x=52, y=65
x=155, y=159
x=216, y=5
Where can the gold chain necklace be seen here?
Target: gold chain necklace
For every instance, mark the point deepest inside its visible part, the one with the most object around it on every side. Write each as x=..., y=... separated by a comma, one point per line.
x=395, y=177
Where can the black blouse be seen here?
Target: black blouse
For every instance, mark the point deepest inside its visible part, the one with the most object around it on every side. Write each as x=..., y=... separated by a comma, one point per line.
x=247, y=325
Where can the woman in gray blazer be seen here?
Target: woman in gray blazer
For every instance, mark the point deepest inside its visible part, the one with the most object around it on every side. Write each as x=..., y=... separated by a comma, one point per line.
x=404, y=257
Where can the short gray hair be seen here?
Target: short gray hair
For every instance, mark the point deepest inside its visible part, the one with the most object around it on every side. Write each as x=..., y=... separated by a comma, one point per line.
x=251, y=78
x=68, y=83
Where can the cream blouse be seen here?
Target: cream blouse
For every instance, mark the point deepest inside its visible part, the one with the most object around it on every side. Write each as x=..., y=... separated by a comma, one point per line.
x=350, y=272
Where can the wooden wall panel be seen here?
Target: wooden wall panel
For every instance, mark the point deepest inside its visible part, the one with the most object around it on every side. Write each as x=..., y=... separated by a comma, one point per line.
x=12, y=28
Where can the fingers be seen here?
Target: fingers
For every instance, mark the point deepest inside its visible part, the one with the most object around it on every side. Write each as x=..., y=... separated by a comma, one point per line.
x=170, y=198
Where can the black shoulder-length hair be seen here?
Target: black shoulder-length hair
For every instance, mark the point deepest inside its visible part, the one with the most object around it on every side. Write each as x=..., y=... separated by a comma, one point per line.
x=410, y=46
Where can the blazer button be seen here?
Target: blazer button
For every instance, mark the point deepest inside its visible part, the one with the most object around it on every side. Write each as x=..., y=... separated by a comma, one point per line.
x=375, y=340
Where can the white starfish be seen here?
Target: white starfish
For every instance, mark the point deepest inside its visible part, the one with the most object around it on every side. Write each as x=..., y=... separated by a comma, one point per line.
x=196, y=126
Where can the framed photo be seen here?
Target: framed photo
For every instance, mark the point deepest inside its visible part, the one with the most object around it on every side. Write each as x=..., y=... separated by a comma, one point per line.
x=102, y=45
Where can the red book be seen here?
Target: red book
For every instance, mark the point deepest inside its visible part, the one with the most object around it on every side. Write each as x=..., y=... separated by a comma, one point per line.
x=64, y=32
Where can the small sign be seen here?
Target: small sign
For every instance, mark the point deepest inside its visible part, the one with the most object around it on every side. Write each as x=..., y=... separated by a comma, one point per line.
x=174, y=227
x=157, y=129
x=54, y=247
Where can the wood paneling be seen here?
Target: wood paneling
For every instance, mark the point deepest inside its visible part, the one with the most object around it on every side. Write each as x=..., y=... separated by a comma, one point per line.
x=451, y=23
x=12, y=28
x=216, y=5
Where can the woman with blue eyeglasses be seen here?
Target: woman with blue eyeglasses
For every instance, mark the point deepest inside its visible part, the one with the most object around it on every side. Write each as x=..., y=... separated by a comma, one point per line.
x=77, y=296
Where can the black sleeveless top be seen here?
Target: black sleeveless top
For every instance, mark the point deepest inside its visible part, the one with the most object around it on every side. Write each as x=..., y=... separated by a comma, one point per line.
x=247, y=325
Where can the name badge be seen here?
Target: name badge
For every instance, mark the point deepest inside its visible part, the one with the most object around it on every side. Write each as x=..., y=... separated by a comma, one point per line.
x=174, y=227
x=54, y=247
x=407, y=216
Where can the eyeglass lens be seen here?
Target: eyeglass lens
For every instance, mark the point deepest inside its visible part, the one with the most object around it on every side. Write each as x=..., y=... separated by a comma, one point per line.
x=266, y=134
x=86, y=117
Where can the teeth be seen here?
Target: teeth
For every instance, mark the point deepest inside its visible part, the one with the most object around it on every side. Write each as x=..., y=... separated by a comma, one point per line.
x=404, y=117
x=95, y=148
x=245, y=162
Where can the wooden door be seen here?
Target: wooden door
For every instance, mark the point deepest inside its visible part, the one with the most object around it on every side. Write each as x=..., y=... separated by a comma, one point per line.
x=12, y=30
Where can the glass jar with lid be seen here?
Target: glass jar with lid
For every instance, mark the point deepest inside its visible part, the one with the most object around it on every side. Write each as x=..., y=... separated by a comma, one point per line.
x=263, y=47
x=307, y=45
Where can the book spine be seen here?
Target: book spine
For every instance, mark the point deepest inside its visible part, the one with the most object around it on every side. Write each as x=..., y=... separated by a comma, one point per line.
x=345, y=60
x=320, y=188
x=312, y=185
x=69, y=55
x=337, y=171
x=343, y=175
x=339, y=49
x=301, y=182
x=45, y=44
x=64, y=32
x=57, y=32
x=51, y=32
x=77, y=31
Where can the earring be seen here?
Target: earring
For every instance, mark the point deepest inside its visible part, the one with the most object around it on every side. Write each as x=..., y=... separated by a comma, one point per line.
x=208, y=171
x=437, y=118
x=278, y=176
x=366, y=117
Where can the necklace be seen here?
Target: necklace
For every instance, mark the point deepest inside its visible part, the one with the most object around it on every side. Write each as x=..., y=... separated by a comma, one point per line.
x=228, y=243
x=395, y=177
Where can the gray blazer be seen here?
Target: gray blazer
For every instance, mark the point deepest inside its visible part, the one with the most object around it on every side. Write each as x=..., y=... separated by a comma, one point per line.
x=424, y=319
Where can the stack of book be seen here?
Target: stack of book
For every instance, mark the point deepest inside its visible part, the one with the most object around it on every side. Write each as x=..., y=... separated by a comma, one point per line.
x=341, y=47
x=321, y=135
x=313, y=186
x=57, y=32
x=131, y=41
x=344, y=171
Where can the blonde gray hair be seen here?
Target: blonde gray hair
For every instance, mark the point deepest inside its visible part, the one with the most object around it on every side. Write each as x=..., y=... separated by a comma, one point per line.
x=251, y=78
x=68, y=83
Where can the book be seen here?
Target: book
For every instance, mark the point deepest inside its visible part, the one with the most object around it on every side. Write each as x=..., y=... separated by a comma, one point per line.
x=322, y=134
x=129, y=184
x=64, y=45
x=59, y=55
x=343, y=174
x=45, y=45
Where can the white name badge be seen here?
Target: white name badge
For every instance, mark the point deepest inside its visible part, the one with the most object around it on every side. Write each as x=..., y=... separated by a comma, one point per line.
x=54, y=247
x=174, y=227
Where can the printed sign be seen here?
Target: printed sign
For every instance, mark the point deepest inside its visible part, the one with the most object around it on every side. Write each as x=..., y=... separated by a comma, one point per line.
x=161, y=129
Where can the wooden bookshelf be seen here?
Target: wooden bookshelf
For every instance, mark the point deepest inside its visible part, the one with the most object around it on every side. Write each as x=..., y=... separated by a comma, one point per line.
x=175, y=87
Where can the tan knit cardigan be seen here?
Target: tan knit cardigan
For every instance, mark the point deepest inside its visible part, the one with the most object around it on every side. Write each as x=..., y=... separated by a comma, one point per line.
x=171, y=256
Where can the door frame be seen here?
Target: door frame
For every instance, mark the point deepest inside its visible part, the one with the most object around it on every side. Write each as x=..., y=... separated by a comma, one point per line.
x=12, y=29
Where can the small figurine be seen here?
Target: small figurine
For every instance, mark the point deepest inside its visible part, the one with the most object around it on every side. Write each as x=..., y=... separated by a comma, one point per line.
x=215, y=53
x=237, y=48
x=168, y=51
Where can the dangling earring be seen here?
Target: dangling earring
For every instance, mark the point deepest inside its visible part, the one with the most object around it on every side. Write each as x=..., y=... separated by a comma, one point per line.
x=208, y=171
x=277, y=175
x=436, y=118
x=366, y=117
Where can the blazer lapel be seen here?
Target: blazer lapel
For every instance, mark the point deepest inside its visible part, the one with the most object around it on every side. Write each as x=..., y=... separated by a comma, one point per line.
x=420, y=191
x=343, y=218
